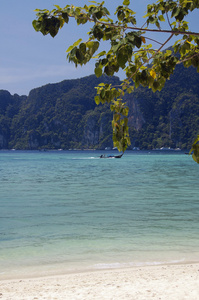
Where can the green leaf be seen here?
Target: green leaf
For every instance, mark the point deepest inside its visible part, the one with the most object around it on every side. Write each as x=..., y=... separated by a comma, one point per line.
x=175, y=11
x=121, y=15
x=57, y=6
x=102, y=94
x=53, y=25
x=155, y=85
x=82, y=48
x=74, y=45
x=37, y=25
x=91, y=45
x=161, y=18
x=129, y=90
x=195, y=155
x=69, y=48
x=138, y=41
x=122, y=59
x=65, y=17
x=195, y=61
x=97, y=32
x=102, y=53
x=116, y=47
x=77, y=42
x=97, y=100
x=109, y=70
x=98, y=72
x=126, y=2
x=79, y=56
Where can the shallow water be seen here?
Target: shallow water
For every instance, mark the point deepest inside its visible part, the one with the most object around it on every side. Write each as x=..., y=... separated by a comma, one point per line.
x=62, y=211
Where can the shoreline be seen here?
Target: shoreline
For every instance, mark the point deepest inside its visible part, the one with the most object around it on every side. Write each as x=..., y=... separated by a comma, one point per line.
x=61, y=269
x=169, y=281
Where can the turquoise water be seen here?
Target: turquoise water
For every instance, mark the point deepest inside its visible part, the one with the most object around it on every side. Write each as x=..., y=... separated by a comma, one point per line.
x=65, y=211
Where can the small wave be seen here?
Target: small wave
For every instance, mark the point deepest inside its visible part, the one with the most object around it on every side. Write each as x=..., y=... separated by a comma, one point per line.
x=82, y=158
x=135, y=264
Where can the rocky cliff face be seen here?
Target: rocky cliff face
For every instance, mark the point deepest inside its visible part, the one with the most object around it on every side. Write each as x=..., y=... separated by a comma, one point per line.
x=3, y=141
x=97, y=129
x=91, y=132
x=136, y=118
x=9, y=108
x=184, y=119
x=98, y=123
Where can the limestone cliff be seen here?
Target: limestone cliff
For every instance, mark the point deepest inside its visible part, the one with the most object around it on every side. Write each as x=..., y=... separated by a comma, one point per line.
x=64, y=115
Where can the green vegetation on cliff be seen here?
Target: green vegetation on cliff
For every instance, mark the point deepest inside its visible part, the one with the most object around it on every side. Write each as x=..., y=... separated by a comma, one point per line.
x=64, y=115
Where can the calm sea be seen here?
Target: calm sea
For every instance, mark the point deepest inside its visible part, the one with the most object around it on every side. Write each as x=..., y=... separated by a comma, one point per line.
x=68, y=211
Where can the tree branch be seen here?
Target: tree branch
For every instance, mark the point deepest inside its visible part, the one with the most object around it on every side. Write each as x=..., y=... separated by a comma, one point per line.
x=181, y=61
x=151, y=30
x=152, y=56
x=177, y=32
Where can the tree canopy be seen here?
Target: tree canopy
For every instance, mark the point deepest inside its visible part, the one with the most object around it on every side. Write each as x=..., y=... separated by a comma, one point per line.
x=142, y=58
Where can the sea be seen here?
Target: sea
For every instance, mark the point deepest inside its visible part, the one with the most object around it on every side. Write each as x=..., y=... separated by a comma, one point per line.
x=71, y=211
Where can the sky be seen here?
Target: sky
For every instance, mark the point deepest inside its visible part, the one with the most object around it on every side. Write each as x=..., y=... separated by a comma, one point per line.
x=29, y=60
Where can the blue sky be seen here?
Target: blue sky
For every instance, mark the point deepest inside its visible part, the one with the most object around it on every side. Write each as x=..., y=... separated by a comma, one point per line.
x=29, y=60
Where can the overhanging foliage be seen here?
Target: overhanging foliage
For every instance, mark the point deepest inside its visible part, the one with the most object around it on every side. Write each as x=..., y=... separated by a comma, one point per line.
x=131, y=49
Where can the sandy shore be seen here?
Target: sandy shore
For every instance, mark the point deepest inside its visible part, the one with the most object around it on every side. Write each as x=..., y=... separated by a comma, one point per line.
x=168, y=282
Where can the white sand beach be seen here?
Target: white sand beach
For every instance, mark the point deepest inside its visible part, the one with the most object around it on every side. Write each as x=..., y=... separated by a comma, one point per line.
x=163, y=282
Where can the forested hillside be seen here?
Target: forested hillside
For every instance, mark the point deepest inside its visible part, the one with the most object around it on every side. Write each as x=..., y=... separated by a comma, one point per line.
x=170, y=117
x=64, y=115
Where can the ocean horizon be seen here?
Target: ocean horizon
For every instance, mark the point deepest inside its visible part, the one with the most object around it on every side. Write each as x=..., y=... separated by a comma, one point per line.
x=70, y=211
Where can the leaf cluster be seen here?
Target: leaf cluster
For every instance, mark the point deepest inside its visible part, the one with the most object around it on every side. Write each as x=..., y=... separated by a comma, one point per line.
x=157, y=12
x=129, y=45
